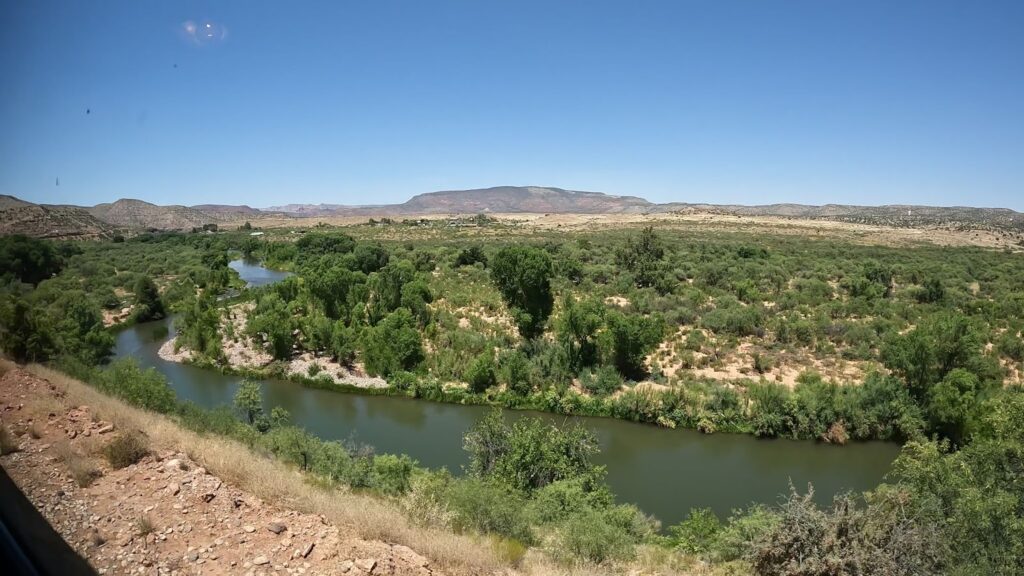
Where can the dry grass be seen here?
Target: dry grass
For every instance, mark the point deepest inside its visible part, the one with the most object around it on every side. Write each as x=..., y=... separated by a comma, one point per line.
x=144, y=525
x=83, y=470
x=8, y=443
x=368, y=517
x=127, y=449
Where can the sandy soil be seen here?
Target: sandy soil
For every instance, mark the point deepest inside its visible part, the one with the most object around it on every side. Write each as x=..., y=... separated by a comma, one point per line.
x=242, y=352
x=857, y=233
x=166, y=514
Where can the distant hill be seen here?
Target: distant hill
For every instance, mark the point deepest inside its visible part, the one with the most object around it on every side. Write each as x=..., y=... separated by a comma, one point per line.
x=531, y=199
x=43, y=221
x=890, y=215
x=23, y=217
x=226, y=211
x=138, y=214
x=499, y=199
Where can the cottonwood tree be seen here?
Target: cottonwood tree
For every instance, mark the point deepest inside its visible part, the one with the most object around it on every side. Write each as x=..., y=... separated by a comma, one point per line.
x=523, y=276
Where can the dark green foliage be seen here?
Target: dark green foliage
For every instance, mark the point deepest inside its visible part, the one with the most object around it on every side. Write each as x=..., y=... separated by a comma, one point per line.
x=370, y=258
x=483, y=505
x=642, y=257
x=529, y=454
x=577, y=329
x=393, y=345
x=271, y=322
x=147, y=299
x=470, y=256
x=514, y=372
x=523, y=276
x=633, y=338
x=25, y=334
x=249, y=401
x=932, y=291
x=480, y=375
x=28, y=260
x=144, y=388
x=199, y=327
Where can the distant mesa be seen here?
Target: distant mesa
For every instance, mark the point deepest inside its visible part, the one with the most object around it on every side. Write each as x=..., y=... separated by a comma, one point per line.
x=56, y=221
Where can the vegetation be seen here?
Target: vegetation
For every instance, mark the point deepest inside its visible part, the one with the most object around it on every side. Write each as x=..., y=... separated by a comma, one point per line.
x=772, y=336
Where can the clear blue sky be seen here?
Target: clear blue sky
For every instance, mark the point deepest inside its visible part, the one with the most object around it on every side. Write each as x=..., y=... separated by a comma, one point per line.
x=366, y=102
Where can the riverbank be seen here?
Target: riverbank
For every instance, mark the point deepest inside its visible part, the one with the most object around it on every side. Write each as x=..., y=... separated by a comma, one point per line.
x=206, y=503
x=195, y=503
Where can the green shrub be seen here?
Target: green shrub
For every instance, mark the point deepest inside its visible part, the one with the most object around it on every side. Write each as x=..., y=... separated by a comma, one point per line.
x=486, y=506
x=144, y=388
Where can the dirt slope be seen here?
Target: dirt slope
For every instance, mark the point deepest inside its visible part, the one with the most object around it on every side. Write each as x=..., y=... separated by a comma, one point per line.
x=166, y=514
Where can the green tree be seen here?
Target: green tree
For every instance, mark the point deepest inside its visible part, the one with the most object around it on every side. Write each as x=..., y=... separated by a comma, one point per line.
x=523, y=276
x=147, y=299
x=481, y=375
x=25, y=333
x=642, y=257
x=392, y=345
x=30, y=260
x=530, y=454
x=633, y=338
x=249, y=401
x=577, y=326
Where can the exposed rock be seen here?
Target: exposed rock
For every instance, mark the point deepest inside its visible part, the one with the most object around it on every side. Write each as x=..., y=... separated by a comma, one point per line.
x=366, y=564
x=260, y=560
x=276, y=527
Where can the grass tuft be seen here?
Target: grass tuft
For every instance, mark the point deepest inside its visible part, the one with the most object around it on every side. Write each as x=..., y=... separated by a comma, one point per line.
x=126, y=449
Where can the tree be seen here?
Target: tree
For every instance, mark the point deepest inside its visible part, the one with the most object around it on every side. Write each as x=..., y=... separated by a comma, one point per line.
x=643, y=257
x=480, y=375
x=147, y=298
x=514, y=372
x=370, y=257
x=523, y=276
x=633, y=338
x=530, y=454
x=925, y=355
x=249, y=401
x=24, y=333
x=470, y=256
x=30, y=260
x=576, y=329
x=386, y=288
x=393, y=345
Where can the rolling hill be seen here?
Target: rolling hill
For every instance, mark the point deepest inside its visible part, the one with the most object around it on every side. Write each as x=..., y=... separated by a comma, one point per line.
x=49, y=221
x=131, y=213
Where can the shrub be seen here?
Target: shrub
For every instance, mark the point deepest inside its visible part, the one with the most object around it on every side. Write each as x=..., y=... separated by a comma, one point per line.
x=144, y=388
x=488, y=507
x=480, y=374
x=8, y=443
x=591, y=536
x=126, y=449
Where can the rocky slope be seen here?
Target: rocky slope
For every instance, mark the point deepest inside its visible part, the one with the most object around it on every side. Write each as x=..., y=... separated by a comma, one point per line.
x=131, y=213
x=166, y=514
x=42, y=221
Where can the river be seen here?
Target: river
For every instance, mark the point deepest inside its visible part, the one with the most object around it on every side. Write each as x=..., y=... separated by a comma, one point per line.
x=665, y=472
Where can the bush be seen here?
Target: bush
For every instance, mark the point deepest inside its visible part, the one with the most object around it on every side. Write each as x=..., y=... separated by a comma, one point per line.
x=480, y=375
x=144, y=388
x=8, y=443
x=126, y=449
x=488, y=507
x=594, y=537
